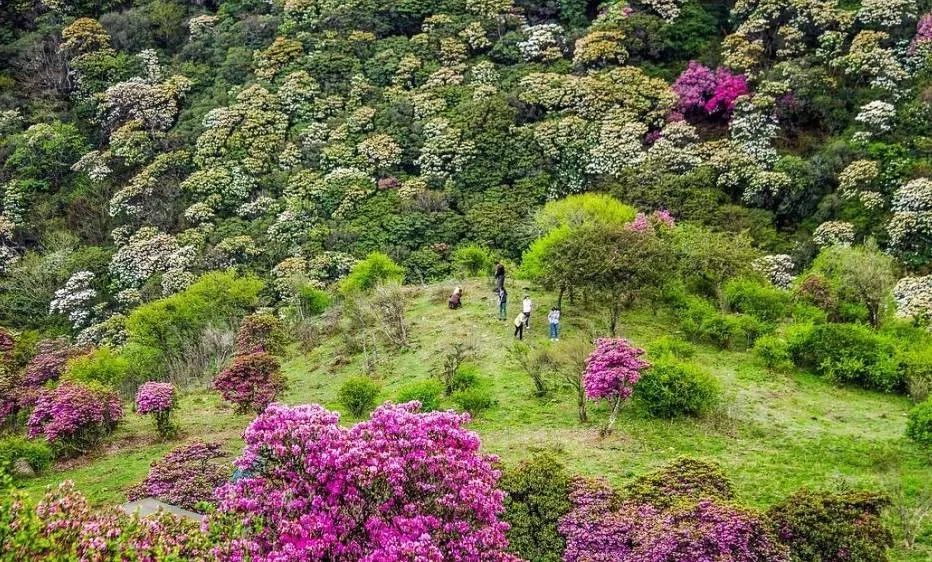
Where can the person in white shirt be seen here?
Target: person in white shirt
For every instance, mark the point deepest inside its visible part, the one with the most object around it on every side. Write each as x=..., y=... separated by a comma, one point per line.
x=554, y=319
x=526, y=309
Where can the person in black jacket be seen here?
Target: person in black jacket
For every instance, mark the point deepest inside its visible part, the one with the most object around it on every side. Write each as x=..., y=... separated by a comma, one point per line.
x=499, y=277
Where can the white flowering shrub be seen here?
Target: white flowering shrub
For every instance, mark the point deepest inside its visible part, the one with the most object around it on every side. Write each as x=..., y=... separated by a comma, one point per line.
x=913, y=298
x=155, y=105
x=380, y=151
x=445, y=151
x=910, y=227
x=887, y=13
x=133, y=199
x=74, y=299
x=754, y=131
x=544, y=42
x=202, y=25
x=620, y=145
x=877, y=116
x=288, y=275
x=669, y=10
x=132, y=143
x=777, y=268
x=147, y=252
x=259, y=206
x=221, y=187
x=94, y=164
x=859, y=181
x=676, y=150
x=833, y=233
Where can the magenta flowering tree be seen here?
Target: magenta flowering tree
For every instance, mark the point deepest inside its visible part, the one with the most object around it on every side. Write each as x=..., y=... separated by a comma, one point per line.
x=923, y=35
x=702, y=91
x=74, y=417
x=602, y=526
x=251, y=382
x=157, y=399
x=185, y=477
x=612, y=370
x=48, y=364
x=659, y=219
x=403, y=485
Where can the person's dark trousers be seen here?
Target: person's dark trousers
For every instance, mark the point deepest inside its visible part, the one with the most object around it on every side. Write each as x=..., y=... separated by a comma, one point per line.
x=502, y=310
x=527, y=320
x=554, y=330
x=519, y=331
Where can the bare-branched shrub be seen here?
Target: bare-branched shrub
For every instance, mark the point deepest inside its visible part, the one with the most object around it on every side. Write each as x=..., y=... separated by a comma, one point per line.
x=203, y=358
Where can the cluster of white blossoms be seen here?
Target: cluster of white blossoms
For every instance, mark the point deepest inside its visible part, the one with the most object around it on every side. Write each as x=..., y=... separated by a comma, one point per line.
x=381, y=151
x=288, y=275
x=74, y=299
x=877, y=116
x=202, y=25
x=887, y=13
x=669, y=10
x=676, y=149
x=220, y=187
x=147, y=252
x=132, y=143
x=766, y=185
x=110, y=332
x=8, y=255
x=94, y=164
x=259, y=206
x=869, y=59
x=155, y=105
x=858, y=181
x=910, y=227
x=913, y=298
x=833, y=233
x=234, y=250
x=777, y=268
x=754, y=132
x=545, y=42
x=10, y=120
x=619, y=146
x=445, y=152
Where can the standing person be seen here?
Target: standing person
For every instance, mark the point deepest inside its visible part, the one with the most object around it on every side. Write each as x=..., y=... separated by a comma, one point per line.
x=519, y=326
x=554, y=319
x=526, y=309
x=502, y=304
x=499, y=276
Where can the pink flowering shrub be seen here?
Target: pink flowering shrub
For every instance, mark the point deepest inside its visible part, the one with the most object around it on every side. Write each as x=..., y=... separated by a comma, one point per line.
x=612, y=370
x=7, y=342
x=700, y=90
x=602, y=526
x=659, y=219
x=184, y=477
x=923, y=33
x=252, y=382
x=158, y=399
x=63, y=526
x=48, y=364
x=403, y=485
x=74, y=417
x=260, y=332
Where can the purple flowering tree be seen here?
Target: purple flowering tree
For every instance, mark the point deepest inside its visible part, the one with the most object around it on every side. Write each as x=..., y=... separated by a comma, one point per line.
x=185, y=477
x=703, y=91
x=403, y=485
x=251, y=382
x=612, y=370
x=602, y=526
x=74, y=417
x=158, y=399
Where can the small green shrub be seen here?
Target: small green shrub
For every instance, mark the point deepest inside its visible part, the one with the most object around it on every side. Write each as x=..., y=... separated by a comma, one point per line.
x=473, y=260
x=703, y=322
x=833, y=525
x=682, y=478
x=376, y=269
x=538, y=491
x=466, y=377
x=774, y=352
x=847, y=353
x=358, y=395
x=102, y=365
x=36, y=452
x=670, y=388
x=312, y=301
x=474, y=400
x=764, y=302
x=426, y=392
x=915, y=364
x=261, y=332
x=919, y=423
x=670, y=346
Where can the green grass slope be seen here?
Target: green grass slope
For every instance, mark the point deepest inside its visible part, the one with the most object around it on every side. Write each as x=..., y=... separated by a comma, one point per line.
x=773, y=433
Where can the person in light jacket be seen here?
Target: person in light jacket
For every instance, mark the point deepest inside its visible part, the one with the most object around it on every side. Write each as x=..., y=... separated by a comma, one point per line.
x=519, y=326
x=526, y=309
x=553, y=318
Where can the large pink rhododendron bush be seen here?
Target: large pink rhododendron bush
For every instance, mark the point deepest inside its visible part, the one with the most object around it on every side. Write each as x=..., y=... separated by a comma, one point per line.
x=403, y=485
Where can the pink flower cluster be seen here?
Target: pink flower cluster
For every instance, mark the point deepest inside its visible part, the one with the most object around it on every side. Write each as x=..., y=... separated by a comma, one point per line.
x=185, y=476
x=62, y=526
x=7, y=343
x=612, y=369
x=601, y=526
x=75, y=416
x=923, y=33
x=48, y=364
x=702, y=90
x=658, y=219
x=154, y=397
x=403, y=485
x=251, y=382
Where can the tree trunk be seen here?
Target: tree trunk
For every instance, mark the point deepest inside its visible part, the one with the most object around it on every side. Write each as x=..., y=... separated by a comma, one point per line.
x=607, y=430
x=615, y=314
x=581, y=403
x=560, y=297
